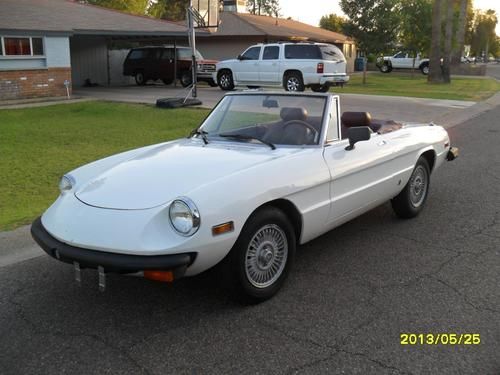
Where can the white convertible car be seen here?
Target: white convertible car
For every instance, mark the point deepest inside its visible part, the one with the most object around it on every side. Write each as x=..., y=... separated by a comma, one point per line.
x=262, y=174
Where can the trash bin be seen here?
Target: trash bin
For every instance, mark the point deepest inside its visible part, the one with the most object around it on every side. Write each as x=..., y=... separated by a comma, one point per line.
x=359, y=64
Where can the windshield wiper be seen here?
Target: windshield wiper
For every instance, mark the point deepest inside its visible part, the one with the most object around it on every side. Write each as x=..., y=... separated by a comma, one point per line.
x=201, y=133
x=248, y=138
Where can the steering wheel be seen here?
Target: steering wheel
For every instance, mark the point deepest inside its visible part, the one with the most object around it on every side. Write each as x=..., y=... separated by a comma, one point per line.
x=305, y=125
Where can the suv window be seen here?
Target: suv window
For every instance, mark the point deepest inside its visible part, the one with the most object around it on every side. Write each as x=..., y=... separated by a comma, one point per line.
x=331, y=53
x=251, y=54
x=271, y=53
x=302, y=51
x=167, y=54
x=136, y=54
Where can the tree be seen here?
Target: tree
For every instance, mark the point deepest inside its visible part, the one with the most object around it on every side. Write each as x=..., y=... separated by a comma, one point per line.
x=332, y=22
x=372, y=23
x=416, y=30
x=458, y=50
x=173, y=10
x=264, y=7
x=435, y=73
x=484, y=39
x=129, y=6
x=448, y=40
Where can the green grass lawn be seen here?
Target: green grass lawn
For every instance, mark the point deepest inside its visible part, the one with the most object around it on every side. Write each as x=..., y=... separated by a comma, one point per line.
x=402, y=84
x=39, y=145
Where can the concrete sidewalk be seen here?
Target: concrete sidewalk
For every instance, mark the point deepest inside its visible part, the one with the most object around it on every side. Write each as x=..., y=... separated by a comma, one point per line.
x=17, y=246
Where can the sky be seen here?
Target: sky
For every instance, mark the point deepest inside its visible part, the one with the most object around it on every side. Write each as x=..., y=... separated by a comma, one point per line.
x=310, y=11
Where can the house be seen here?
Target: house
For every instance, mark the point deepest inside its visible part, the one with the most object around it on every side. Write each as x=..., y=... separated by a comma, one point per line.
x=239, y=30
x=47, y=43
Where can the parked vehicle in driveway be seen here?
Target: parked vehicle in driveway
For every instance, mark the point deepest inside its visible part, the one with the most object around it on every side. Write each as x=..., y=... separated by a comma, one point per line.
x=153, y=63
x=263, y=173
x=294, y=66
x=402, y=60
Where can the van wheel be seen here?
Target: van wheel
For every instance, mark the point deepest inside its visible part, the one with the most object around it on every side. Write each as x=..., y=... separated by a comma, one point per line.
x=186, y=78
x=225, y=80
x=260, y=260
x=293, y=82
x=140, y=79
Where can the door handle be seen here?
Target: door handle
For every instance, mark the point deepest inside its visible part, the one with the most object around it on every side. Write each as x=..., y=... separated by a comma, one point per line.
x=382, y=143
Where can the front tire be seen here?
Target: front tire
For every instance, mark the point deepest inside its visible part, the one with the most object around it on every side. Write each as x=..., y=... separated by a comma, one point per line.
x=385, y=68
x=225, y=80
x=412, y=198
x=262, y=257
x=186, y=78
x=140, y=79
x=293, y=82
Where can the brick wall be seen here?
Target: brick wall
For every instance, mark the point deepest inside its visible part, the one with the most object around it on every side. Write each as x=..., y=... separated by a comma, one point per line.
x=35, y=83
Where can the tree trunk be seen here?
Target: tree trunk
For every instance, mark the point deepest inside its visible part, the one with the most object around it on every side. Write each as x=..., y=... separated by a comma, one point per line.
x=435, y=73
x=448, y=42
x=365, y=63
x=460, y=38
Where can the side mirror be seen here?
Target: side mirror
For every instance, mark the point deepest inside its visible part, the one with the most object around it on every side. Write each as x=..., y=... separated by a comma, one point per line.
x=357, y=134
x=240, y=57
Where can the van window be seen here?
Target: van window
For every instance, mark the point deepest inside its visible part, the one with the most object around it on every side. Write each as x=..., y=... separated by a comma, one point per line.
x=167, y=54
x=136, y=54
x=185, y=54
x=302, y=51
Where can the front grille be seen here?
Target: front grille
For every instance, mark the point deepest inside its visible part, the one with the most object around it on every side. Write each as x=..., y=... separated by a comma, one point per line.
x=206, y=68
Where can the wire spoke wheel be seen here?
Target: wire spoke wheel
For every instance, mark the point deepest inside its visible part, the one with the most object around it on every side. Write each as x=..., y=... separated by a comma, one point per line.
x=266, y=256
x=418, y=186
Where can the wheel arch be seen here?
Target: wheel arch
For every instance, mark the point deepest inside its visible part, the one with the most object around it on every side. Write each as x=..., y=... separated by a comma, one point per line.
x=288, y=71
x=430, y=156
x=422, y=64
x=289, y=209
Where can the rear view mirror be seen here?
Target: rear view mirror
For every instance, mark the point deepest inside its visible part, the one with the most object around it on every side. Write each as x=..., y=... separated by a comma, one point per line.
x=270, y=103
x=357, y=134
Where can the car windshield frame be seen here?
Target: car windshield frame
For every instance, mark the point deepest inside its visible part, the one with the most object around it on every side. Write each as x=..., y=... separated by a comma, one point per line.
x=324, y=121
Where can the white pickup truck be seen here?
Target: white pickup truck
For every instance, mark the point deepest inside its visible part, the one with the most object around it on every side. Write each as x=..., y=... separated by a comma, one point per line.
x=294, y=66
x=402, y=60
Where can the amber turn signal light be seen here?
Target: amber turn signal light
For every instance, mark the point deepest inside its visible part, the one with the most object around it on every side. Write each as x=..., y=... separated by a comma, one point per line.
x=223, y=228
x=165, y=276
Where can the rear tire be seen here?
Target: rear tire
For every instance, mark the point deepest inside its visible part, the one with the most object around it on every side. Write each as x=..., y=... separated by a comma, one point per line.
x=424, y=68
x=320, y=88
x=225, y=80
x=293, y=82
x=186, y=78
x=140, y=79
x=260, y=260
x=412, y=198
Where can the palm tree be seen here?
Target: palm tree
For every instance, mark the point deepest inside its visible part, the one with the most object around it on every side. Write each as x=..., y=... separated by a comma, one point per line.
x=435, y=73
x=460, y=40
x=448, y=38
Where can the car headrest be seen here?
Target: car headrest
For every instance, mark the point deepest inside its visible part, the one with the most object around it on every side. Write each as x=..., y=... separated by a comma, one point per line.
x=350, y=119
x=293, y=113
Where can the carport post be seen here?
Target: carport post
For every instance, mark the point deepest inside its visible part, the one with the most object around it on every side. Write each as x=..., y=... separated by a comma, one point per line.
x=175, y=61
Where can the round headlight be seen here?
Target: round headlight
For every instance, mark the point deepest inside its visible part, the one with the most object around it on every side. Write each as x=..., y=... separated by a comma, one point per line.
x=66, y=184
x=184, y=216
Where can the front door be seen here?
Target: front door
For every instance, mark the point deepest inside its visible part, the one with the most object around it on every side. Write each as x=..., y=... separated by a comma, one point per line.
x=269, y=65
x=247, y=67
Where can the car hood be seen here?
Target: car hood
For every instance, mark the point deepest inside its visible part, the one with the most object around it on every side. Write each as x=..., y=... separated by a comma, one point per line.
x=158, y=175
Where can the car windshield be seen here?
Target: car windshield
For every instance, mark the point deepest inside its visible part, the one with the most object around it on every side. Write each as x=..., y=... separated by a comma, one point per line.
x=272, y=119
x=185, y=54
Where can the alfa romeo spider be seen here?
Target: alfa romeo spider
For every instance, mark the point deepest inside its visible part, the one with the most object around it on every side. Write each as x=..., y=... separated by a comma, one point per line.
x=262, y=174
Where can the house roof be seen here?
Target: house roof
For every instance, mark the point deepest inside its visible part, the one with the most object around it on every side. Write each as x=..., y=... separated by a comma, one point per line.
x=75, y=18
x=244, y=24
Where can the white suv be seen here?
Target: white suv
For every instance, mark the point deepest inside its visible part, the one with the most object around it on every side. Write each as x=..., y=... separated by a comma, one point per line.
x=294, y=66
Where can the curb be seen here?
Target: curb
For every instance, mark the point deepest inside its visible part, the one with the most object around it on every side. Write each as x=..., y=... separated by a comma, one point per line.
x=449, y=120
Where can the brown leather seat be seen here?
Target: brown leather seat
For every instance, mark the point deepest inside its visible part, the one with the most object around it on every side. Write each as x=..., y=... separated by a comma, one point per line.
x=350, y=119
x=285, y=132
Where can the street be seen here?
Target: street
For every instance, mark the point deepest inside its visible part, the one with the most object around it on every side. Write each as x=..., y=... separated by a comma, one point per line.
x=350, y=295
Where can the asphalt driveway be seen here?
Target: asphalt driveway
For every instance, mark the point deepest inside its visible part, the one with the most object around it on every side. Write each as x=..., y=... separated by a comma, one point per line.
x=352, y=293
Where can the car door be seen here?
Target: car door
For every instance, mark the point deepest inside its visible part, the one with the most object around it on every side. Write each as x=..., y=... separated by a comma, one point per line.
x=246, y=69
x=166, y=64
x=269, y=65
x=361, y=178
x=153, y=65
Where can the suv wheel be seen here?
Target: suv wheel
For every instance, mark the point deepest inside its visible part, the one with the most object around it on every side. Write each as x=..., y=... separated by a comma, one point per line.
x=293, y=82
x=140, y=79
x=186, y=78
x=225, y=80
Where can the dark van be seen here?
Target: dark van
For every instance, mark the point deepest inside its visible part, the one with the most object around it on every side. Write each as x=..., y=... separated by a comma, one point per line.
x=152, y=63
